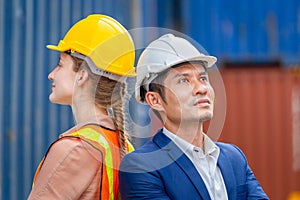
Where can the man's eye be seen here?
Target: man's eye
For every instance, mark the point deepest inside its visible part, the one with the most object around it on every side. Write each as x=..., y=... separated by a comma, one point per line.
x=182, y=80
x=203, y=78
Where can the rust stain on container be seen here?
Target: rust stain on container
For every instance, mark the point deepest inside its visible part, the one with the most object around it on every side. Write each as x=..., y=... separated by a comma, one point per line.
x=262, y=118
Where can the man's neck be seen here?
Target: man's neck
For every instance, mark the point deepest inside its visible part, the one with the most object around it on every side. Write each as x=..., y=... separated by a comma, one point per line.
x=190, y=132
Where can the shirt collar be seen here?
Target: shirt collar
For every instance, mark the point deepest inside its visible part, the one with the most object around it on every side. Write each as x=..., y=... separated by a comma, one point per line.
x=210, y=148
x=183, y=145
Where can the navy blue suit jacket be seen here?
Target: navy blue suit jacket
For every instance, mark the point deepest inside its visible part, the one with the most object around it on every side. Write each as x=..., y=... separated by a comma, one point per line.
x=160, y=170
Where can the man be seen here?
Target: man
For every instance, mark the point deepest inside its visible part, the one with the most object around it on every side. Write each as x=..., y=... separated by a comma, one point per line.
x=181, y=162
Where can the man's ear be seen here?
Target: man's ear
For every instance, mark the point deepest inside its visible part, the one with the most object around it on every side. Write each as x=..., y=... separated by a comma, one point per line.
x=154, y=100
x=82, y=77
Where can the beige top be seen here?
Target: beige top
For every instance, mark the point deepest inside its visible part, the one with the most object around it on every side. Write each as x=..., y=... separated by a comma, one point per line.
x=71, y=170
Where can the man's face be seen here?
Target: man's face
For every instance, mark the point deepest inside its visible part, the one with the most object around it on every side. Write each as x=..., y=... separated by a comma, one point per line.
x=189, y=95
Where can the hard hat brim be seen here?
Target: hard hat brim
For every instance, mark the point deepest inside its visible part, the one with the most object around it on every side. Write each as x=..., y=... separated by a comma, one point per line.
x=56, y=48
x=211, y=60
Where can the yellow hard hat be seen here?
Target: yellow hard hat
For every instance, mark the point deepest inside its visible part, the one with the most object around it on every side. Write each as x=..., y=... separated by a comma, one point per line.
x=104, y=41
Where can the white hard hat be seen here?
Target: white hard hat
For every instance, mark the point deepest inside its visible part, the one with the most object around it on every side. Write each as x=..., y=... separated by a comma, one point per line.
x=163, y=53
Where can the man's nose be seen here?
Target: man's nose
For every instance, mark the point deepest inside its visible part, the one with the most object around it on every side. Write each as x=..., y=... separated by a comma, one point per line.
x=200, y=88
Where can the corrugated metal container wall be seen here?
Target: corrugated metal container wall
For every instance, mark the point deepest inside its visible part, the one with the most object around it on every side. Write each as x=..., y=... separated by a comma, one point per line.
x=232, y=30
x=262, y=118
x=28, y=122
x=245, y=30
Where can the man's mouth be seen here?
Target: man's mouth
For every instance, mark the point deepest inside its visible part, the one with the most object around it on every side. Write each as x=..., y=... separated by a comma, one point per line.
x=202, y=103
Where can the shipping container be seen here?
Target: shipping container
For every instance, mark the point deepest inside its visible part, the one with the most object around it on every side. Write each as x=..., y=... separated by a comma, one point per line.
x=245, y=30
x=263, y=119
x=234, y=31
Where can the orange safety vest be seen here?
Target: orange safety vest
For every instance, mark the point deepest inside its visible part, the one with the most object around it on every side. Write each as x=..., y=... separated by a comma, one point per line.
x=106, y=141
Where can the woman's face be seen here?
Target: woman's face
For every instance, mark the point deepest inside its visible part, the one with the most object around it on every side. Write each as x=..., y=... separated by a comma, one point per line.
x=63, y=81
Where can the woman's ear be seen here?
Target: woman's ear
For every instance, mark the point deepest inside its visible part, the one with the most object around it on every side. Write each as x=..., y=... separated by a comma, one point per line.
x=82, y=77
x=154, y=100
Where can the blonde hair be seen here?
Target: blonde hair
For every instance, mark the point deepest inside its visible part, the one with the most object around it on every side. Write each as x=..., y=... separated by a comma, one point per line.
x=109, y=94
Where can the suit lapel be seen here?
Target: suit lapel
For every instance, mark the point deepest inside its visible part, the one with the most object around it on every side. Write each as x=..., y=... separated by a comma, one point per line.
x=228, y=174
x=182, y=161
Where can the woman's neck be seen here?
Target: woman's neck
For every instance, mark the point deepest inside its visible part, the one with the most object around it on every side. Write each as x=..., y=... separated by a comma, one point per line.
x=85, y=113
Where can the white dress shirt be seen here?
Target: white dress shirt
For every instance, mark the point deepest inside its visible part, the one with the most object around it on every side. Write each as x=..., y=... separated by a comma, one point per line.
x=205, y=161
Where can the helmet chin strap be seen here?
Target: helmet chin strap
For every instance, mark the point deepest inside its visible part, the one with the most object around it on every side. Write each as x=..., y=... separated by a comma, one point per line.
x=96, y=70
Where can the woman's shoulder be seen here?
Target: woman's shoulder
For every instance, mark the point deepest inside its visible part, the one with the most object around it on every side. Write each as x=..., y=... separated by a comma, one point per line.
x=73, y=147
x=65, y=144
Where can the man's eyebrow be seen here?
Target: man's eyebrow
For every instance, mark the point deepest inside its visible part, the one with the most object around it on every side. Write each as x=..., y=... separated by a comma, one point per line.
x=203, y=73
x=180, y=74
x=186, y=74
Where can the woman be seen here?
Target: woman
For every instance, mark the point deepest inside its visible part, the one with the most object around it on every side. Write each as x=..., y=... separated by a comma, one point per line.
x=82, y=164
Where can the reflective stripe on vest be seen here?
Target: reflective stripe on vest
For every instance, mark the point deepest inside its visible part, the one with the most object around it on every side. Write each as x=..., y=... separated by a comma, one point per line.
x=90, y=134
x=106, y=141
